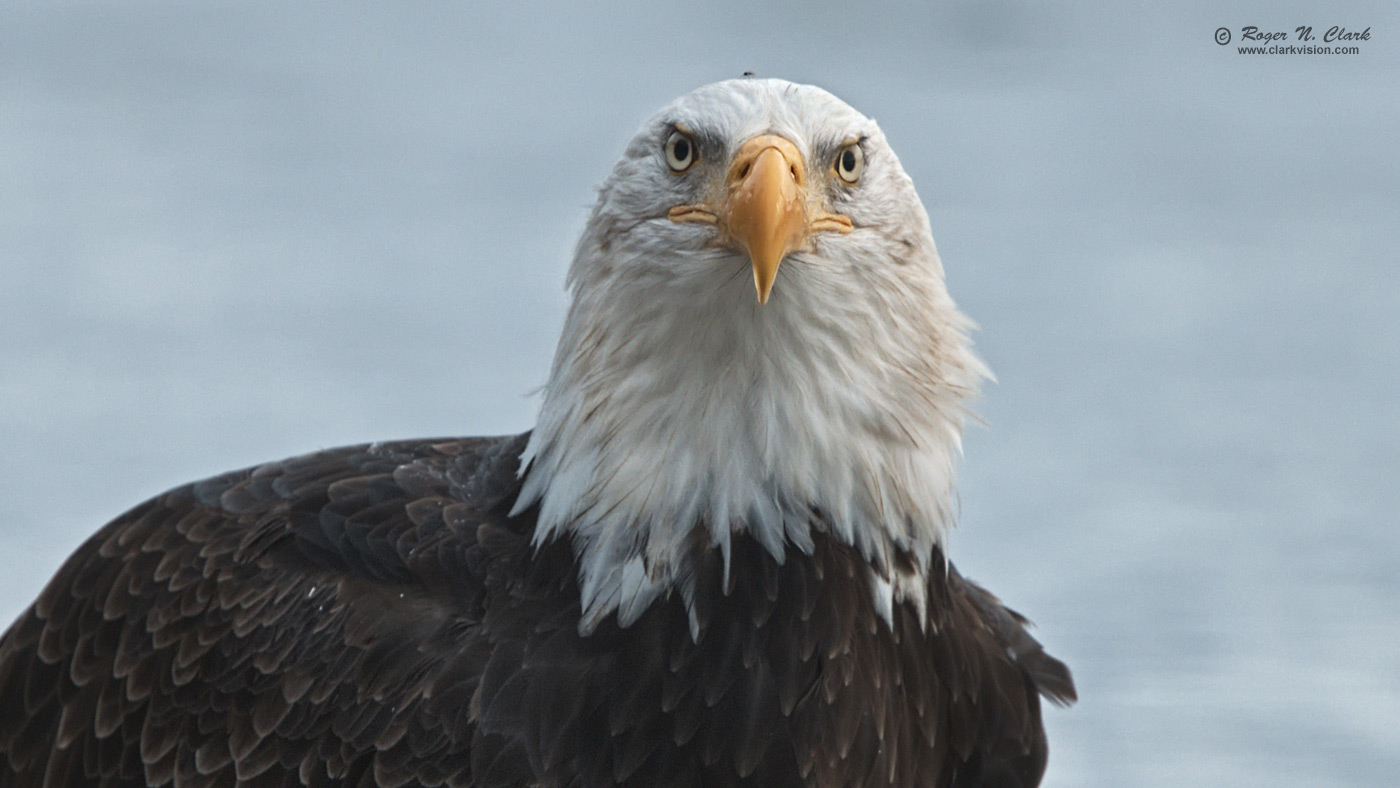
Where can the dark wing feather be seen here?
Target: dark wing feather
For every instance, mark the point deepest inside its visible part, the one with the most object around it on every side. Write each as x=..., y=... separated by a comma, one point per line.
x=313, y=621
x=1050, y=676
x=1005, y=670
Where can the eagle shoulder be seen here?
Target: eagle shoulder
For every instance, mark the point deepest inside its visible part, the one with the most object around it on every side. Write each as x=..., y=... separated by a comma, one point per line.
x=310, y=621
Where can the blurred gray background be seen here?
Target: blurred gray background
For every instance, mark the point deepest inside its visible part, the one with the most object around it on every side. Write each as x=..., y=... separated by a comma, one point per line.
x=232, y=232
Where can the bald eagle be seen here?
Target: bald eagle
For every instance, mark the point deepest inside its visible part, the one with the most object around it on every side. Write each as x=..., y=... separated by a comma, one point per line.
x=718, y=559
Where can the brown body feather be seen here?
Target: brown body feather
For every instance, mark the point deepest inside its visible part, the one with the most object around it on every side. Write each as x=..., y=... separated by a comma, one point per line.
x=372, y=616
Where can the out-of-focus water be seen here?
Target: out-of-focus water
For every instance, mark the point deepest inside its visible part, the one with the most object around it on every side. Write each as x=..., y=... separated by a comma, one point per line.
x=233, y=232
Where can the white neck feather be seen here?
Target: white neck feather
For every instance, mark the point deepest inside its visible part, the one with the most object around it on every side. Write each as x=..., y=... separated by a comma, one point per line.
x=691, y=406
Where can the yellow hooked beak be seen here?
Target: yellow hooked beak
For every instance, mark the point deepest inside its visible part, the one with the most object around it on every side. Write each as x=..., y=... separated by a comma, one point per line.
x=767, y=210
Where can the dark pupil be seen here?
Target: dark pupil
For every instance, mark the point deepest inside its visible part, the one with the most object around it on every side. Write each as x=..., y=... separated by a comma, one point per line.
x=848, y=161
x=681, y=149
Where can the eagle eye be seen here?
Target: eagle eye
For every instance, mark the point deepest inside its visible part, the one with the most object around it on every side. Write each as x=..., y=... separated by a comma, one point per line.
x=850, y=160
x=680, y=152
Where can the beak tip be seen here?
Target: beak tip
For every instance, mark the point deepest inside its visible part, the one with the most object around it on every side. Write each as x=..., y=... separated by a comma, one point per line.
x=763, y=289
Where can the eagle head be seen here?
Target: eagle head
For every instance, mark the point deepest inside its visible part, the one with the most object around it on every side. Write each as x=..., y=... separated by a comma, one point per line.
x=759, y=342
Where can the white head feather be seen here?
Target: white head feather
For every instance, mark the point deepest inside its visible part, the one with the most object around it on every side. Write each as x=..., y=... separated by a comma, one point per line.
x=677, y=402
